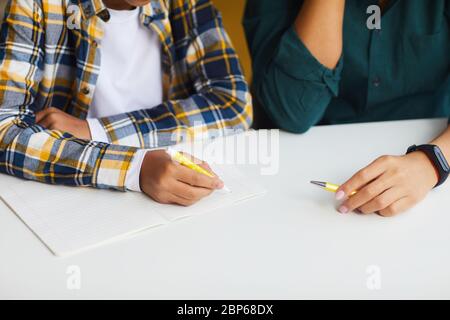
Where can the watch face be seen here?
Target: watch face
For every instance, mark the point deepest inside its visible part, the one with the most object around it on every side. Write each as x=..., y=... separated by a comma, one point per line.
x=442, y=161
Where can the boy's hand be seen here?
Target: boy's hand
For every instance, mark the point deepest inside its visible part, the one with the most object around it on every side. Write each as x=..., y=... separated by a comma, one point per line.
x=389, y=185
x=55, y=119
x=166, y=181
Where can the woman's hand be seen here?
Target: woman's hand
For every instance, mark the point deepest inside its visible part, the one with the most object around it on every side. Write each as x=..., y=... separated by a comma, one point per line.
x=389, y=185
x=55, y=119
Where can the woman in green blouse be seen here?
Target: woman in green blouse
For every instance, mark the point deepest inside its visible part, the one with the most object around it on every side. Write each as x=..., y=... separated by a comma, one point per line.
x=320, y=62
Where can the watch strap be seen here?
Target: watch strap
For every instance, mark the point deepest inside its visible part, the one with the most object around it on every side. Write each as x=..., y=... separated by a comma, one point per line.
x=436, y=156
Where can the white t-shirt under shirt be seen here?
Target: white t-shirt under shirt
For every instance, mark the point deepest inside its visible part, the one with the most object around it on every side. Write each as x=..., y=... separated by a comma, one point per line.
x=130, y=77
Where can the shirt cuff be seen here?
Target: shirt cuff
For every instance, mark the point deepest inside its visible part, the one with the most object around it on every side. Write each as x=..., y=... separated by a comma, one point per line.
x=98, y=133
x=134, y=171
x=294, y=58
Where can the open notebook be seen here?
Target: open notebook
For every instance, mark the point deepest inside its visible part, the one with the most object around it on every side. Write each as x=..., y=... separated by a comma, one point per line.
x=71, y=219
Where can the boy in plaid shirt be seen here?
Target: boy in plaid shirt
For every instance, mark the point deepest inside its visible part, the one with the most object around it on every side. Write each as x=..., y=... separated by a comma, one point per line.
x=87, y=87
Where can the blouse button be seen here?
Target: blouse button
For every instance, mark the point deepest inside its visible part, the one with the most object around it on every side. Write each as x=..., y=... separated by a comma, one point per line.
x=376, y=82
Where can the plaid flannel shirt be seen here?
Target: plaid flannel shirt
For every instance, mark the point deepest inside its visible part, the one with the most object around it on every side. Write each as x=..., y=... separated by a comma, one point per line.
x=50, y=57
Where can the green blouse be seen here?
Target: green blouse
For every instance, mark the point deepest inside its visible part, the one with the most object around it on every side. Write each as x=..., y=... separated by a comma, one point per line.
x=399, y=72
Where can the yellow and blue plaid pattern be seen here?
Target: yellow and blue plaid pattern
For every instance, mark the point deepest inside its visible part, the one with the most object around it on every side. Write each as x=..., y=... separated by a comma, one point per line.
x=47, y=62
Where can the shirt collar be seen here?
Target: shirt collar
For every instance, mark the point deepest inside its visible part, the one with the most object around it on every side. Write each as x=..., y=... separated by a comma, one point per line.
x=90, y=8
x=155, y=10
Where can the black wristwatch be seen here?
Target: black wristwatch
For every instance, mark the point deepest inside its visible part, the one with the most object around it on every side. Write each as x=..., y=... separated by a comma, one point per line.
x=434, y=153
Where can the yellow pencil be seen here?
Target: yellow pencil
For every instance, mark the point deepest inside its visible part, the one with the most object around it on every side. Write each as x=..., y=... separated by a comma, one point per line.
x=329, y=186
x=185, y=161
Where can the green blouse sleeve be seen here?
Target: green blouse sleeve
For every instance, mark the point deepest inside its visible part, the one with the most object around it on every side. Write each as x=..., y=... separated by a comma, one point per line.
x=447, y=11
x=447, y=82
x=294, y=88
x=447, y=93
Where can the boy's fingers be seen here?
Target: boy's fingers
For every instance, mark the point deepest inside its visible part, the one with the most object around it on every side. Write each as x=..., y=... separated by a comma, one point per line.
x=45, y=122
x=206, y=166
x=194, y=178
x=192, y=158
x=41, y=115
x=174, y=199
x=189, y=192
x=199, y=162
x=44, y=113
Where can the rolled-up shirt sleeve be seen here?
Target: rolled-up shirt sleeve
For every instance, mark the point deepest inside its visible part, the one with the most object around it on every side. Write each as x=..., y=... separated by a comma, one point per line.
x=294, y=59
x=292, y=85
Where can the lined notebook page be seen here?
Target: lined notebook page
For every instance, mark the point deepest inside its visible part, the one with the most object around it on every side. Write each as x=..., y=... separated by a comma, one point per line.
x=71, y=219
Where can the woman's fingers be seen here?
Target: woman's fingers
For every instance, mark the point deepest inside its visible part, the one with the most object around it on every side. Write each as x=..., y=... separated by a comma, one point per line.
x=399, y=206
x=385, y=186
x=367, y=193
x=383, y=201
x=363, y=177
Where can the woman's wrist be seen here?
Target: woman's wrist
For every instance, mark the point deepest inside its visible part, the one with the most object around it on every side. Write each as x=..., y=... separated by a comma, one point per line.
x=443, y=142
x=428, y=167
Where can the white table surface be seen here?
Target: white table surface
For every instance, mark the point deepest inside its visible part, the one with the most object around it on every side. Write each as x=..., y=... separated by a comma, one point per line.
x=289, y=244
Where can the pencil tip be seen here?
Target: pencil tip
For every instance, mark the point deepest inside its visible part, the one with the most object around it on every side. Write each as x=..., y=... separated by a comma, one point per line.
x=318, y=183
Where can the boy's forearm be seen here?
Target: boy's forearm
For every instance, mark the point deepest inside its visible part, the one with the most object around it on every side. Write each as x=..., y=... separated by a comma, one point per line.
x=29, y=151
x=320, y=26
